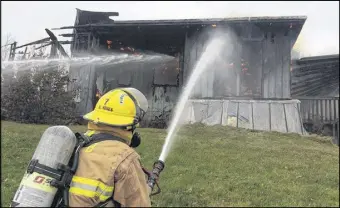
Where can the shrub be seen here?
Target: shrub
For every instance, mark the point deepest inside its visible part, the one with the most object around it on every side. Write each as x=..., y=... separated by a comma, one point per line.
x=37, y=96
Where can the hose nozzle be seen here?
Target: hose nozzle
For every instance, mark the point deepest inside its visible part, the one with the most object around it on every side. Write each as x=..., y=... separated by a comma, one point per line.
x=158, y=166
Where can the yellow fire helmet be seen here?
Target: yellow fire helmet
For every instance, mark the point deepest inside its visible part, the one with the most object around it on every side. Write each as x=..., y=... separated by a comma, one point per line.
x=119, y=107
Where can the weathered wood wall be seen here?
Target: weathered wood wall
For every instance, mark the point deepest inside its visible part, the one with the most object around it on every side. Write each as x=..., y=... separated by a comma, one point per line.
x=276, y=66
x=159, y=82
x=315, y=76
x=83, y=75
x=268, y=56
x=214, y=82
x=83, y=82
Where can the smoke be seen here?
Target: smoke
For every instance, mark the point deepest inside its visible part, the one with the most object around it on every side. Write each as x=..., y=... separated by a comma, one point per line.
x=319, y=35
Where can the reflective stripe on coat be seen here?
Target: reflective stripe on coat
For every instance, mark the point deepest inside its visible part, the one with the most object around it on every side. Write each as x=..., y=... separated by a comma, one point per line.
x=109, y=170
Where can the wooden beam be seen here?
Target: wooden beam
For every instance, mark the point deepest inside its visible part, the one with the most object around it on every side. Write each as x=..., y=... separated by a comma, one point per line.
x=55, y=41
x=73, y=34
x=24, y=55
x=12, y=53
x=34, y=42
x=53, y=52
x=50, y=43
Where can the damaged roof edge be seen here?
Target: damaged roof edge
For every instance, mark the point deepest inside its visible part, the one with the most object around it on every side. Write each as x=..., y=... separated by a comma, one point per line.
x=102, y=13
x=301, y=19
x=288, y=19
x=204, y=21
x=85, y=14
x=324, y=57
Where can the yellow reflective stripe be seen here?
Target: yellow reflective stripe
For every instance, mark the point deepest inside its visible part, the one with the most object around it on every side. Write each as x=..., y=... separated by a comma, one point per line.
x=90, y=133
x=90, y=188
x=91, y=147
x=90, y=194
x=103, y=198
x=82, y=192
x=92, y=182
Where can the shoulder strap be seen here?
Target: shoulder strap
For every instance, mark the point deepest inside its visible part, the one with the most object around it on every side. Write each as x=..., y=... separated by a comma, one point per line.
x=103, y=137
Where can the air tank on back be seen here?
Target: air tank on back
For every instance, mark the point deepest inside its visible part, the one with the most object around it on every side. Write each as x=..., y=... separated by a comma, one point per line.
x=55, y=147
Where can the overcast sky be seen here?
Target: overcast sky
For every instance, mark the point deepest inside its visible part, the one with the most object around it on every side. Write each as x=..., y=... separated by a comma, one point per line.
x=26, y=21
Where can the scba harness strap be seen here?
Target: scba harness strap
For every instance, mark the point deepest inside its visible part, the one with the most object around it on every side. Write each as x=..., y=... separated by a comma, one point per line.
x=105, y=195
x=63, y=175
x=95, y=138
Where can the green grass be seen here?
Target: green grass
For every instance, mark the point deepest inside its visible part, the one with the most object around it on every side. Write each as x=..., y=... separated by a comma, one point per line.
x=212, y=166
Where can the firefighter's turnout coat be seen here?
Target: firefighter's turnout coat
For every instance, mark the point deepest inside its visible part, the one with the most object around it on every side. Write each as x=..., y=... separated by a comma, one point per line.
x=109, y=174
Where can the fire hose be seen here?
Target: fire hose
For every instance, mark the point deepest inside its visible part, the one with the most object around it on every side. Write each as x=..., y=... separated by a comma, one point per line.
x=153, y=177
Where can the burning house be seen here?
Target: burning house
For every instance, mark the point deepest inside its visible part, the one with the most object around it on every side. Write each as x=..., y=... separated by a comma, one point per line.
x=256, y=91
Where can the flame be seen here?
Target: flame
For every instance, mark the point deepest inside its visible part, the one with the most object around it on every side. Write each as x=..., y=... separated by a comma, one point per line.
x=98, y=94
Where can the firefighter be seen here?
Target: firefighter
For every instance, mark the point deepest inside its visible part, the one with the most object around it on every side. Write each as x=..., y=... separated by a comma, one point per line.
x=109, y=172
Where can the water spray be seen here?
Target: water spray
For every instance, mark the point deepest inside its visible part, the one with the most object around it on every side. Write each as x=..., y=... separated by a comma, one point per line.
x=213, y=50
x=209, y=55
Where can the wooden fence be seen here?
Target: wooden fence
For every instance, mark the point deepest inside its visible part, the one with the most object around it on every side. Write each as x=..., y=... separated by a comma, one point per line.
x=323, y=109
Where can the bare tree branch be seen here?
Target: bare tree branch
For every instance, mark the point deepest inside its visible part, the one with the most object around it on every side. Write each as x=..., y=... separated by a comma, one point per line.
x=5, y=49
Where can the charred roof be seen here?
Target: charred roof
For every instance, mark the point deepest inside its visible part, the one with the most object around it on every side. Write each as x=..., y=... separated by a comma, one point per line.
x=98, y=20
x=89, y=17
x=334, y=57
x=145, y=33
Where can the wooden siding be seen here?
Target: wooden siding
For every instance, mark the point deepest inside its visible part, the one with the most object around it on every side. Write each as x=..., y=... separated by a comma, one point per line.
x=159, y=82
x=269, y=60
x=315, y=76
x=276, y=61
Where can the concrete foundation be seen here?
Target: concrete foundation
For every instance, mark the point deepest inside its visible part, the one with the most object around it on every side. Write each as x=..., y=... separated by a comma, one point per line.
x=267, y=115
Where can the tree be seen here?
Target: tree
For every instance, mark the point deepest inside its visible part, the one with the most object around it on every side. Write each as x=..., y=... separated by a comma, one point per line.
x=5, y=49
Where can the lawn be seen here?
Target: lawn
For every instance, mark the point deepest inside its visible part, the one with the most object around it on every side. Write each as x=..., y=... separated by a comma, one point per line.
x=212, y=166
